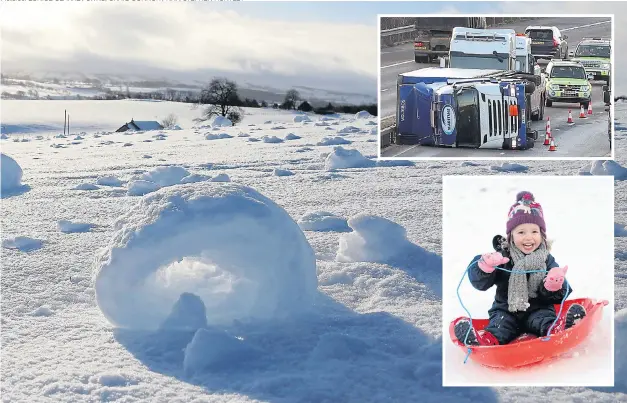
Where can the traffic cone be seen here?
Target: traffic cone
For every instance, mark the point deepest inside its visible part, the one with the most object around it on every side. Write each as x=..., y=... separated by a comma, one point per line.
x=590, y=108
x=582, y=114
x=547, y=139
x=548, y=126
x=570, y=117
x=552, y=148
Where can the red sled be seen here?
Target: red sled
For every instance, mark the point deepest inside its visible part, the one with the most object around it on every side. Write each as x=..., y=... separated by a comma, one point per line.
x=528, y=349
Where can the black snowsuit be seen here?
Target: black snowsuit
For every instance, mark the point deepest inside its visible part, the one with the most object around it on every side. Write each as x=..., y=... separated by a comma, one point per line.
x=506, y=325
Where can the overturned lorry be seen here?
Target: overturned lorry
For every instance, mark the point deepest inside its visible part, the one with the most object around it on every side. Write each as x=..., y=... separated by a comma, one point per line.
x=464, y=108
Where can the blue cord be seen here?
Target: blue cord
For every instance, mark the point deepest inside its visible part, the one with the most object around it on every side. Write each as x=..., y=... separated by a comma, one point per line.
x=548, y=334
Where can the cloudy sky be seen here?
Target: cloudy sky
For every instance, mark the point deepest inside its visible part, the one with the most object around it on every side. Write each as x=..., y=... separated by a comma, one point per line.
x=329, y=45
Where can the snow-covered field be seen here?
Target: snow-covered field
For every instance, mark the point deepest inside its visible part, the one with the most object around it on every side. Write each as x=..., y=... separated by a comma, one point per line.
x=230, y=264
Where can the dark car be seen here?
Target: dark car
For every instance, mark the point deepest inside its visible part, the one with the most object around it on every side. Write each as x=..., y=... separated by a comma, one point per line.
x=547, y=42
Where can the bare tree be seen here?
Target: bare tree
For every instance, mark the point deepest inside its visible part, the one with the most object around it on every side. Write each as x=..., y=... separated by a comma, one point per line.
x=291, y=98
x=221, y=96
x=169, y=121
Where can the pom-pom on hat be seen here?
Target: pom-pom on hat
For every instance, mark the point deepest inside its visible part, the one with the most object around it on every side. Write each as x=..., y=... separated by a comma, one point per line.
x=525, y=211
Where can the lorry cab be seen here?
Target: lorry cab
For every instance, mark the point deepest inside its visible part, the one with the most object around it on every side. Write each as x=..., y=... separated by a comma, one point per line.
x=482, y=49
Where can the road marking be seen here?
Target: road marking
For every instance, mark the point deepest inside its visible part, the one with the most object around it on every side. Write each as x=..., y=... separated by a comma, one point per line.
x=386, y=89
x=398, y=64
x=585, y=26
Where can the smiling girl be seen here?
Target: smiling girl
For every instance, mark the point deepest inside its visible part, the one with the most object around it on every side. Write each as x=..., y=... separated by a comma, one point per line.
x=529, y=287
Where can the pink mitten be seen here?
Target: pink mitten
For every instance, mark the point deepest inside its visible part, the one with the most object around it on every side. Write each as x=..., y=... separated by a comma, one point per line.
x=555, y=278
x=488, y=261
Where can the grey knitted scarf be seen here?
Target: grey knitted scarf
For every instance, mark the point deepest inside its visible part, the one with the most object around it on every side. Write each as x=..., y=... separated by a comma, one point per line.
x=519, y=289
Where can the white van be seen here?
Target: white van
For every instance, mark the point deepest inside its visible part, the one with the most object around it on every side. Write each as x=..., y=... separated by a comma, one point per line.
x=482, y=49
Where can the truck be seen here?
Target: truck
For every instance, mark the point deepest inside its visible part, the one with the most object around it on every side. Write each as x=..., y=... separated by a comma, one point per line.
x=482, y=49
x=435, y=42
x=526, y=62
x=464, y=108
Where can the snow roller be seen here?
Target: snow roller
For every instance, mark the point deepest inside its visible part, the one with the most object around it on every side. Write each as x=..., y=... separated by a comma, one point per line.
x=528, y=349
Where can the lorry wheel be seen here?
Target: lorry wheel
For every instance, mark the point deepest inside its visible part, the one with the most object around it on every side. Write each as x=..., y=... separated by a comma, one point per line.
x=530, y=87
x=416, y=59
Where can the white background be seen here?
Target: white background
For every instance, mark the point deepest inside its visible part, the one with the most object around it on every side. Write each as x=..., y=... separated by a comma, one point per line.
x=579, y=217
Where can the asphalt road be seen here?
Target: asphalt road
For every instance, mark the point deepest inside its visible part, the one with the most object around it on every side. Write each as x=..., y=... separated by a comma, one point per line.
x=400, y=59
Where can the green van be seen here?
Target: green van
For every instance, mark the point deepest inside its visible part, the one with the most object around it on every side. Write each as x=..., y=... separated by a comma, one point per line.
x=567, y=81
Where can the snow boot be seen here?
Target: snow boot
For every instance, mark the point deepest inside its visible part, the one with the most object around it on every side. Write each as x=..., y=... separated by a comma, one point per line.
x=575, y=313
x=474, y=338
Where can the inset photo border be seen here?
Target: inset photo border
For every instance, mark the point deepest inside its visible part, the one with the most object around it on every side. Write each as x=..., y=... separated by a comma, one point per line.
x=574, y=215
x=457, y=87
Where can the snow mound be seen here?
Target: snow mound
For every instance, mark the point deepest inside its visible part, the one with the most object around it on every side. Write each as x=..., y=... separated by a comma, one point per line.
x=272, y=139
x=301, y=118
x=620, y=230
x=69, y=227
x=140, y=187
x=349, y=129
x=342, y=158
x=282, y=172
x=242, y=134
x=43, y=310
x=253, y=139
x=331, y=116
x=374, y=130
x=124, y=145
x=164, y=176
x=609, y=167
x=379, y=240
x=221, y=178
x=86, y=186
x=221, y=121
x=323, y=221
x=333, y=141
x=292, y=136
x=195, y=178
x=321, y=124
x=217, y=136
x=470, y=164
x=507, y=167
x=213, y=349
x=109, y=181
x=188, y=313
x=11, y=177
x=363, y=115
x=114, y=380
x=22, y=243
x=3, y=136
x=303, y=149
x=371, y=123
x=234, y=248
x=278, y=128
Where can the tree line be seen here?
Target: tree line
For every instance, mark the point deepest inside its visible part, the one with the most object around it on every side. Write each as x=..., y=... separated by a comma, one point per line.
x=220, y=97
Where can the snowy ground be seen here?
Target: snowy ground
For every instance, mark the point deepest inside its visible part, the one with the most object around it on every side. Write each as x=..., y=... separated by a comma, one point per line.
x=370, y=330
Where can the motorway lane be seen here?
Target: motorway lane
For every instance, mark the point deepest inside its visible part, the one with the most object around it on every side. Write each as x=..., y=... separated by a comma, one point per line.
x=400, y=59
